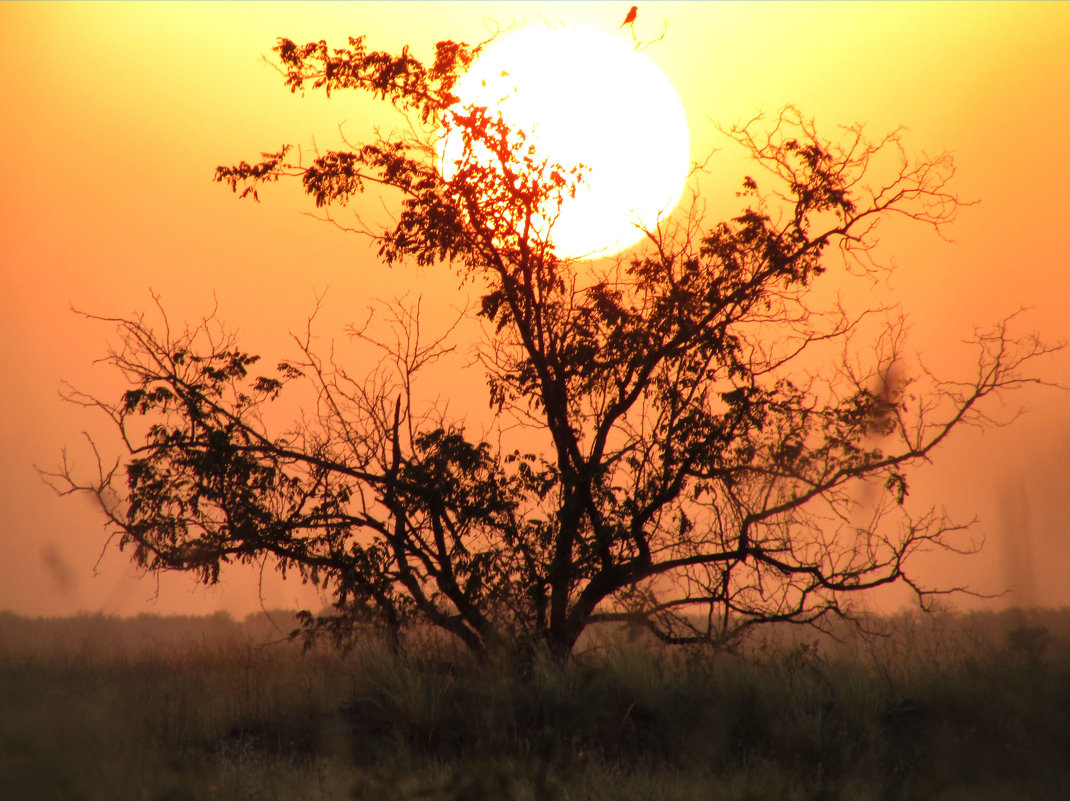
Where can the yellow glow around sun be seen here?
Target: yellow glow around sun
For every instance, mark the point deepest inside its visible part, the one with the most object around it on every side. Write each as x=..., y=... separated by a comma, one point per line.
x=584, y=96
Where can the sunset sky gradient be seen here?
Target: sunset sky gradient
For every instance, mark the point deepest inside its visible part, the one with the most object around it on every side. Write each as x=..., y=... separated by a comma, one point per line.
x=117, y=114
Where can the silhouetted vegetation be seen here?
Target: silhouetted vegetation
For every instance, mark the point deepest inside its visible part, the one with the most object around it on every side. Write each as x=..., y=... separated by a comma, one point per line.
x=942, y=707
x=686, y=439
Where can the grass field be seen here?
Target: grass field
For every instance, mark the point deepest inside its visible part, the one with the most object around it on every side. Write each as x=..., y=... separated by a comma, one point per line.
x=969, y=707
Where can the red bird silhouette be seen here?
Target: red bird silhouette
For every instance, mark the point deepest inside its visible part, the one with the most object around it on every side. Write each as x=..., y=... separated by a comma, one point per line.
x=628, y=20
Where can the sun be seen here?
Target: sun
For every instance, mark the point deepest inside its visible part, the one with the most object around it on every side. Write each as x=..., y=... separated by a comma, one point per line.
x=584, y=96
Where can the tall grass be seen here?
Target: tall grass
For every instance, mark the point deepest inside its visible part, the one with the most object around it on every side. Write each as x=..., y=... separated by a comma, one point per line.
x=953, y=708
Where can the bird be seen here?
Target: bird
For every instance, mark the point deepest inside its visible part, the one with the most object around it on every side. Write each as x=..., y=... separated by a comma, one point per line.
x=628, y=20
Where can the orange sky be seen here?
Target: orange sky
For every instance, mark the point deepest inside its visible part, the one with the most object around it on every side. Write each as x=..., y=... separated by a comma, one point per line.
x=116, y=115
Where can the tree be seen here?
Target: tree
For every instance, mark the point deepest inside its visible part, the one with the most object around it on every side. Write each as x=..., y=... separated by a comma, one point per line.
x=697, y=456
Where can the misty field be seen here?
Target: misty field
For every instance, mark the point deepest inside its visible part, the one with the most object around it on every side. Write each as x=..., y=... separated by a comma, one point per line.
x=179, y=709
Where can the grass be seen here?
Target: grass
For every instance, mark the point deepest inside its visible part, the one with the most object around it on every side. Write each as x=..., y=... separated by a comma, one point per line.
x=957, y=707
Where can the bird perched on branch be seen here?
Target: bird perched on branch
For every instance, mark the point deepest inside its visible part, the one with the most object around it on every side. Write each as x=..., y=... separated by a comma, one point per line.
x=628, y=20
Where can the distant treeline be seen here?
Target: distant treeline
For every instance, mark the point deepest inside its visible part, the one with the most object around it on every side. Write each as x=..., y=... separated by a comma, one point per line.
x=99, y=635
x=936, y=637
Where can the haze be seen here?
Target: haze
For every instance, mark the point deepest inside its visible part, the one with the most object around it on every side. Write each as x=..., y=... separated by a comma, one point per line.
x=116, y=116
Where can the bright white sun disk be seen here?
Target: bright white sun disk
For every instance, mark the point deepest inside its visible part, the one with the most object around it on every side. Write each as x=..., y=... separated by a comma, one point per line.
x=586, y=97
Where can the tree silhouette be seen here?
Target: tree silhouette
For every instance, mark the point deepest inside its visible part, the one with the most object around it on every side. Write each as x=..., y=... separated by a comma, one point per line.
x=685, y=454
